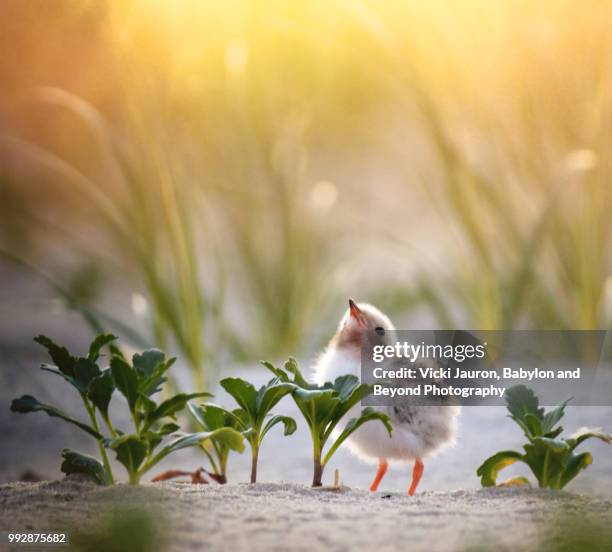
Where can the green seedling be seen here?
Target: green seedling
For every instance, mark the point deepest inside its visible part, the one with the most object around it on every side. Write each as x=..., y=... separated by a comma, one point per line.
x=137, y=382
x=151, y=421
x=95, y=387
x=323, y=407
x=253, y=417
x=213, y=418
x=550, y=458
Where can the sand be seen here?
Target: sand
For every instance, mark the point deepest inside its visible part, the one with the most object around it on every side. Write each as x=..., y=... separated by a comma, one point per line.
x=270, y=516
x=290, y=516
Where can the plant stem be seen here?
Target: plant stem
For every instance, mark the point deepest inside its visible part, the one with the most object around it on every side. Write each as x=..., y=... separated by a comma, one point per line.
x=223, y=465
x=317, y=475
x=213, y=465
x=317, y=445
x=544, y=481
x=254, y=464
x=318, y=467
x=134, y=478
x=110, y=426
x=94, y=422
x=135, y=421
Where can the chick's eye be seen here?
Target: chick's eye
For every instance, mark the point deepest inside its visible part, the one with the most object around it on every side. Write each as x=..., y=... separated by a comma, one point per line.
x=379, y=330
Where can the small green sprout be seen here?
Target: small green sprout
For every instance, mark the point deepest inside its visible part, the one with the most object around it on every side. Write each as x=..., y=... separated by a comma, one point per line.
x=551, y=459
x=252, y=418
x=323, y=407
x=213, y=418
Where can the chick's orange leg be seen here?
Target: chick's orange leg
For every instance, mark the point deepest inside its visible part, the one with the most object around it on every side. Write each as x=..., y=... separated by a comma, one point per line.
x=417, y=472
x=382, y=470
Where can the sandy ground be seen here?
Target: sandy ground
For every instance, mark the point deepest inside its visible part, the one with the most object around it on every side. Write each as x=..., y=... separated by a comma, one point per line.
x=292, y=517
x=289, y=515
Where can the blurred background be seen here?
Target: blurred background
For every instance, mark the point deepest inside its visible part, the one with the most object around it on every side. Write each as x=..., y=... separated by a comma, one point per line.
x=217, y=178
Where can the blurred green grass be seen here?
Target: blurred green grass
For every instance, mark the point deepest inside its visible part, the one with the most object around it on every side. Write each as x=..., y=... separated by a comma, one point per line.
x=125, y=530
x=247, y=167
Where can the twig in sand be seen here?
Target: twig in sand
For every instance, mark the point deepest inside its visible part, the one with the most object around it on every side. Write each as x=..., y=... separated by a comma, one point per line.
x=196, y=476
x=336, y=487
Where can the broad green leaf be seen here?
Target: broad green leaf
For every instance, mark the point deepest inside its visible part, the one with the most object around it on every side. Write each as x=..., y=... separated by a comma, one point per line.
x=518, y=481
x=489, y=469
x=151, y=384
x=269, y=395
x=346, y=386
x=243, y=392
x=308, y=395
x=69, y=379
x=552, y=417
x=280, y=374
x=585, y=433
x=289, y=423
x=27, y=403
x=521, y=400
x=573, y=465
x=85, y=370
x=170, y=407
x=76, y=462
x=197, y=414
x=146, y=362
x=227, y=436
x=554, y=433
x=368, y=414
x=146, y=404
x=97, y=344
x=100, y=391
x=533, y=424
x=293, y=368
x=212, y=416
x=116, y=351
x=546, y=458
x=554, y=444
x=125, y=379
x=152, y=440
x=131, y=451
x=168, y=428
x=328, y=410
x=316, y=405
x=354, y=392
x=60, y=355
x=243, y=420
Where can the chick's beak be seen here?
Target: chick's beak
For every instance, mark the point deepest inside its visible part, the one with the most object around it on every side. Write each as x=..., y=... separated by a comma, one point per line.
x=357, y=314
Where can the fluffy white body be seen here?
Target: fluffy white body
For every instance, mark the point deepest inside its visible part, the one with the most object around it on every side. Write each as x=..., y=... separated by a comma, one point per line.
x=418, y=432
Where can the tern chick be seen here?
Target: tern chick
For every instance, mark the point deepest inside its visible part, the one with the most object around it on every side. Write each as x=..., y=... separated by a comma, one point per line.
x=418, y=431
